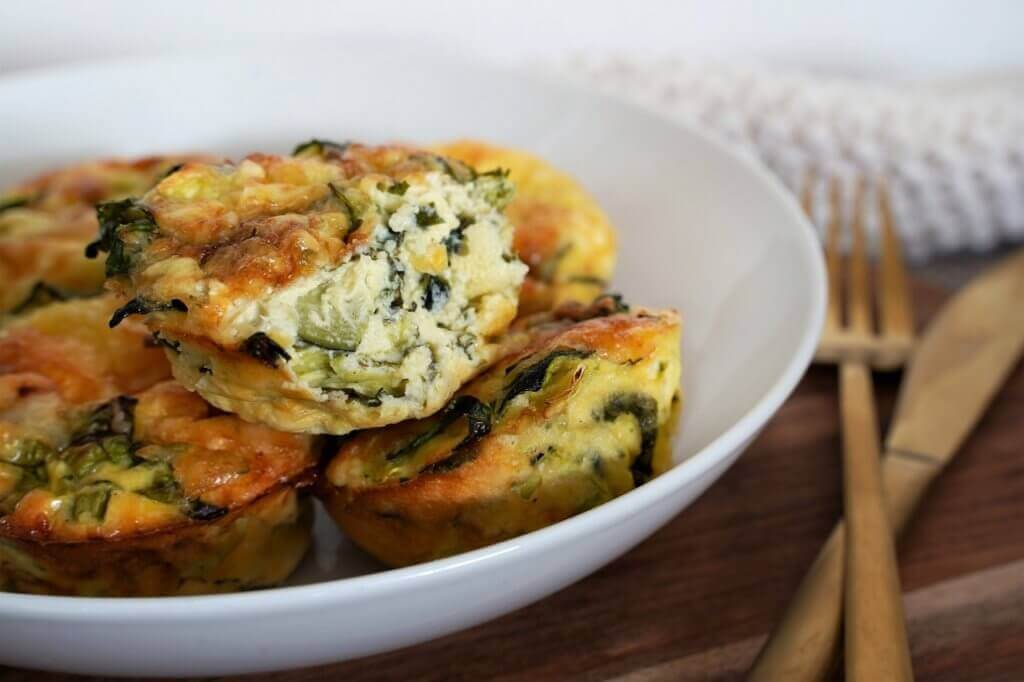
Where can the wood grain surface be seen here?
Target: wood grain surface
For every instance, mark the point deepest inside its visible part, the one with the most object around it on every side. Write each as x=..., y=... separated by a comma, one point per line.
x=695, y=601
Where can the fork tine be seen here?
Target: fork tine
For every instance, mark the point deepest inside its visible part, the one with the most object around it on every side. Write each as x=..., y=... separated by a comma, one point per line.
x=833, y=259
x=858, y=290
x=894, y=297
x=807, y=193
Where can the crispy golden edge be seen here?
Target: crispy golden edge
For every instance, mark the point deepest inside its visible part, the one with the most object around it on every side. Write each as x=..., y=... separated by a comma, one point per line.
x=404, y=522
x=68, y=350
x=255, y=245
x=88, y=183
x=230, y=479
x=170, y=533
x=173, y=561
x=616, y=337
x=66, y=197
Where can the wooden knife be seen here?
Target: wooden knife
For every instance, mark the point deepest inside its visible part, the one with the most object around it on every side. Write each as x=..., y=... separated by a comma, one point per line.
x=960, y=363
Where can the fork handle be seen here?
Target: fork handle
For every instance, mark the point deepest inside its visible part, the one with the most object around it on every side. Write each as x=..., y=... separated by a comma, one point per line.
x=876, y=634
x=804, y=644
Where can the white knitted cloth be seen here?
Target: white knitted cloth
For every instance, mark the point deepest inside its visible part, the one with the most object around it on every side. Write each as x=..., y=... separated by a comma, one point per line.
x=953, y=155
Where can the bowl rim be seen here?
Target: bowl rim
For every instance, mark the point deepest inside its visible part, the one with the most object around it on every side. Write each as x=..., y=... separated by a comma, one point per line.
x=366, y=587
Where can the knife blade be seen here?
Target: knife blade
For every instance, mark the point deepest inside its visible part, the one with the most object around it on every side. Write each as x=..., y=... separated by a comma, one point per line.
x=962, y=360
x=960, y=363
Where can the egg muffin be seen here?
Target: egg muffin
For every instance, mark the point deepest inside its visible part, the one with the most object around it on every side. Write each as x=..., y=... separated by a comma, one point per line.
x=46, y=223
x=560, y=231
x=573, y=417
x=340, y=288
x=115, y=480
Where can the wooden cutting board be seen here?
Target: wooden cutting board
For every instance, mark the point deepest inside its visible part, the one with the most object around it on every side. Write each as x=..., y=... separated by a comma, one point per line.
x=695, y=601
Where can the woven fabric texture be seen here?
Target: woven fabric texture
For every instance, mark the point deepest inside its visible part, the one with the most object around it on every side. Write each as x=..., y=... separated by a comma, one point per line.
x=952, y=154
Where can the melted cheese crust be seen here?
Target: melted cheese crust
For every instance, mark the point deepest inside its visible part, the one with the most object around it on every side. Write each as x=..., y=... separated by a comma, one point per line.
x=327, y=292
x=572, y=418
x=106, y=465
x=46, y=223
x=560, y=231
x=257, y=546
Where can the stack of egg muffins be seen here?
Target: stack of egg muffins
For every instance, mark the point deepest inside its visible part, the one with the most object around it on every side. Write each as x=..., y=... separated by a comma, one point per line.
x=192, y=350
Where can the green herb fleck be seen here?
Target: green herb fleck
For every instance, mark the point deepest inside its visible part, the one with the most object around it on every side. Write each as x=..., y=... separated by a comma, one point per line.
x=348, y=207
x=201, y=511
x=435, y=293
x=126, y=227
x=317, y=147
x=265, y=349
x=531, y=378
x=427, y=216
x=455, y=242
x=142, y=306
x=14, y=202
x=40, y=295
x=645, y=409
x=91, y=503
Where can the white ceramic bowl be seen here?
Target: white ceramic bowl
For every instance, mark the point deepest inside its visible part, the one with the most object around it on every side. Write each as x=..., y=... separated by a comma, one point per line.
x=702, y=229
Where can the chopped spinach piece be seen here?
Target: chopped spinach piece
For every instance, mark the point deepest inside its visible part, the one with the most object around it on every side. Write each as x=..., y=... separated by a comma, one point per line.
x=26, y=453
x=480, y=419
x=609, y=304
x=399, y=188
x=457, y=458
x=100, y=437
x=427, y=216
x=348, y=207
x=394, y=287
x=169, y=172
x=496, y=188
x=531, y=378
x=29, y=478
x=389, y=235
x=141, y=306
x=317, y=147
x=201, y=511
x=41, y=294
x=435, y=294
x=587, y=279
x=14, y=202
x=86, y=457
x=126, y=227
x=265, y=349
x=165, y=487
x=368, y=400
x=478, y=415
x=602, y=306
x=454, y=243
x=91, y=503
x=645, y=409
x=113, y=418
x=159, y=340
x=136, y=306
x=453, y=168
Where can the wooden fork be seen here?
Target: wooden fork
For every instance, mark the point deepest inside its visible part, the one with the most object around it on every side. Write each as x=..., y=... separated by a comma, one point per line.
x=875, y=632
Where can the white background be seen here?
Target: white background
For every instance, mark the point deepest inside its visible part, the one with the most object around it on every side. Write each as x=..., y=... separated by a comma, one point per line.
x=873, y=37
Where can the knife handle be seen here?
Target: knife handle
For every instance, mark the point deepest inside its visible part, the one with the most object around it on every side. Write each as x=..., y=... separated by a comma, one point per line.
x=804, y=644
